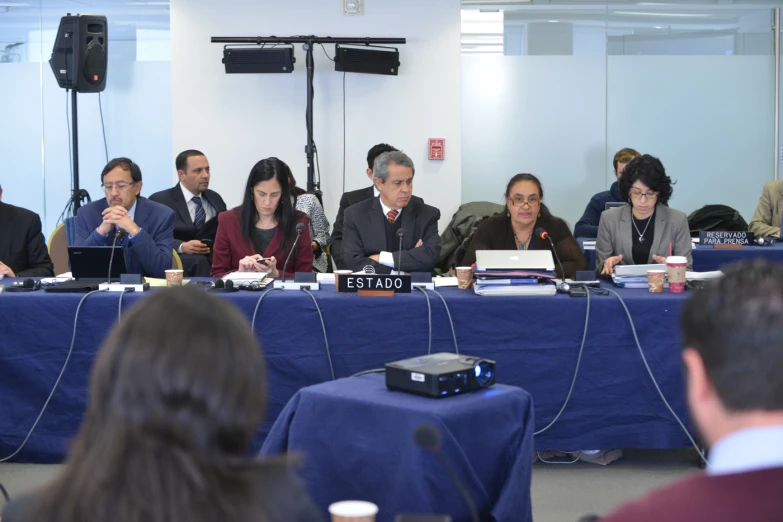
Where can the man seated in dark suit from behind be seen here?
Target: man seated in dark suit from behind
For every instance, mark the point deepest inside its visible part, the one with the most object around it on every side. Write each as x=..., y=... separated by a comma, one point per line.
x=22, y=247
x=370, y=235
x=196, y=208
x=352, y=198
x=734, y=383
x=148, y=226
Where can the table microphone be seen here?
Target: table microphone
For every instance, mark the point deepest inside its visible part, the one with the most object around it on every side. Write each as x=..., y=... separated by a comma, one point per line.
x=543, y=234
x=428, y=437
x=299, y=230
x=119, y=235
x=400, y=234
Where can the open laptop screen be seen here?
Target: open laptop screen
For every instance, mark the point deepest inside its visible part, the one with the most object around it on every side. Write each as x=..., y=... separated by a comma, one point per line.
x=92, y=263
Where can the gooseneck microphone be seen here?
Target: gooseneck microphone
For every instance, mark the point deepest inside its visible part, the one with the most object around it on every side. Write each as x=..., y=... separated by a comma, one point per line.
x=400, y=234
x=299, y=230
x=428, y=437
x=118, y=236
x=543, y=234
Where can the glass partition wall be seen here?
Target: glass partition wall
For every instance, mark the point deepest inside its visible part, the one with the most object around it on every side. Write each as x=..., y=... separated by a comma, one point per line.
x=557, y=88
x=132, y=117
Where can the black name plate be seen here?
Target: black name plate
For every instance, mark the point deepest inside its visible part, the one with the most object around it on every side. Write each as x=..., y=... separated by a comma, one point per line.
x=400, y=284
x=726, y=238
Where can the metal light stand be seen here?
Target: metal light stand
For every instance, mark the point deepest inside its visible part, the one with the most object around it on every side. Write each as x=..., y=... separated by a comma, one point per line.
x=309, y=43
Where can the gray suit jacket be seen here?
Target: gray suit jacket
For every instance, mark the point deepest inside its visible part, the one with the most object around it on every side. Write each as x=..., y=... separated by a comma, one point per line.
x=769, y=214
x=614, y=235
x=364, y=234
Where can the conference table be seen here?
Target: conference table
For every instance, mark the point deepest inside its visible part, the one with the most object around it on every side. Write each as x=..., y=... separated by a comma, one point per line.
x=706, y=258
x=534, y=340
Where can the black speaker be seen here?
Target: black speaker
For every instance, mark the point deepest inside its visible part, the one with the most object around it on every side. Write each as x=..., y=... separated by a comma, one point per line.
x=80, y=52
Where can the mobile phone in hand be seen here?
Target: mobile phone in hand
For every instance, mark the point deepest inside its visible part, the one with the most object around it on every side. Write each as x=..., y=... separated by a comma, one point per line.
x=207, y=242
x=262, y=260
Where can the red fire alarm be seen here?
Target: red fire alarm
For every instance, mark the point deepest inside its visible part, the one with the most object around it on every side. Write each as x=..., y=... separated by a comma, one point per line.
x=437, y=149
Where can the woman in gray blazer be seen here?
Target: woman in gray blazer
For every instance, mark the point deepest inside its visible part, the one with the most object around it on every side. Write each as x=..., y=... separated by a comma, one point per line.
x=643, y=231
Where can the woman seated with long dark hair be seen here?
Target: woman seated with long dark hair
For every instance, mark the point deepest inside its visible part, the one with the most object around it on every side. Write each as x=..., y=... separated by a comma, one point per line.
x=514, y=229
x=257, y=236
x=171, y=415
x=644, y=231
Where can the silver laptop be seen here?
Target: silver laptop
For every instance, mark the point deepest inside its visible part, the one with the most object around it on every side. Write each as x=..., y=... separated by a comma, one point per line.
x=614, y=204
x=514, y=260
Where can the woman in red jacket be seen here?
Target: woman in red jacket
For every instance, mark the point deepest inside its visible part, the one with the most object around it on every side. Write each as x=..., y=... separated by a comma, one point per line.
x=257, y=236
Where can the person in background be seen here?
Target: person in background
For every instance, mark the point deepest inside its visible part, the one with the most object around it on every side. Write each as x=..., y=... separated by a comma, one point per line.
x=587, y=226
x=371, y=227
x=644, y=231
x=23, y=250
x=514, y=228
x=354, y=197
x=733, y=359
x=148, y=226
x=196, y=208
x=319, y=225
x=769, y=214
x=258, y=235
x=172, y=413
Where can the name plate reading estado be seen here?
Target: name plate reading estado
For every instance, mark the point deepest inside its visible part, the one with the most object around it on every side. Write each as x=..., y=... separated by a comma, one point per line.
x=354, y=283
x=726, y=238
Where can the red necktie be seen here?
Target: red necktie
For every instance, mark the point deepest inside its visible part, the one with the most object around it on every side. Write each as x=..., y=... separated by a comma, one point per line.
x=392, y=215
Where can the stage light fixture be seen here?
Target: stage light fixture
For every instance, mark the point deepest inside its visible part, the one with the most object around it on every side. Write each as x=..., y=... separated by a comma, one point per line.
x=367, y=60
x=255, y=60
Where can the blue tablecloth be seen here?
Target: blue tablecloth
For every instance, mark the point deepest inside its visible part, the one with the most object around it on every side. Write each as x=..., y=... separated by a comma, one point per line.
x=707, y=258
x=535, y=341
x=356, y=439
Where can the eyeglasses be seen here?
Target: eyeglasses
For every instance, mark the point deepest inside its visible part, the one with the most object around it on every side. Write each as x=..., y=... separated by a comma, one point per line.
x=638, y=194
x=121, y=185
x=518, y=201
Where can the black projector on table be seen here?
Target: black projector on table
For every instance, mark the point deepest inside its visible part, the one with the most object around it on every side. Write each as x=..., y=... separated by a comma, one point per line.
x=440, y=374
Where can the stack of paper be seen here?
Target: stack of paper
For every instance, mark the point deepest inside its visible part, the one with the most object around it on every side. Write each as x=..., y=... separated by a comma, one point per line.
x=514, y=282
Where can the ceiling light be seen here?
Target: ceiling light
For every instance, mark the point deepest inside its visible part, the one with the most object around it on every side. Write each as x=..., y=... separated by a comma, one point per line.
x=674, y=15
x=552, y=21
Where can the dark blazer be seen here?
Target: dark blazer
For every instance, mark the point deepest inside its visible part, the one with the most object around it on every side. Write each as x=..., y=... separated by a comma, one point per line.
x=284, y=497
x=22, y=245
x=349, y=199
x=184, y=229
x=751, y=496
x=149, y=252
x=614, y=235
x=365, y=235
x=587, y=226
x=231, y=246
x=496, y=233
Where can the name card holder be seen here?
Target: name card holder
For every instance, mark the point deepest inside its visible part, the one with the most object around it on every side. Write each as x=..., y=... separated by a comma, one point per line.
x=374, y=284
x=725, y=239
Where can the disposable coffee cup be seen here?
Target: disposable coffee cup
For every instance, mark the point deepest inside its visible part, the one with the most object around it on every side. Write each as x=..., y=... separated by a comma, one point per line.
x=174, y=277
x=353, y=511
x=337, y=274
x=675, y=267
x=656, y=280
x=464, y=277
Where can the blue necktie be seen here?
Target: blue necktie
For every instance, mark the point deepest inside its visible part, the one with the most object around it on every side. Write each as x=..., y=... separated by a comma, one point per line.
x=200, y=214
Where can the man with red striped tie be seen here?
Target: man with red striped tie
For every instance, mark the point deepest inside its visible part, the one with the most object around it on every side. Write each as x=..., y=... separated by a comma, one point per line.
x=372, y=236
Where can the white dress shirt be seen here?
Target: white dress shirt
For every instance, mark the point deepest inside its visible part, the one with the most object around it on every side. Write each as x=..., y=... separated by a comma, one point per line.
x=751, y=449
x=386, y=258
x=209, y=212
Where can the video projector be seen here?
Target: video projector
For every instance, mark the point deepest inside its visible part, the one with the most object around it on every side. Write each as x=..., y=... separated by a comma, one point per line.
x=440, y=374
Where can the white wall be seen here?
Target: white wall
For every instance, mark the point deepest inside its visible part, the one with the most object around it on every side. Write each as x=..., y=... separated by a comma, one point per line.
x=237, y=120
